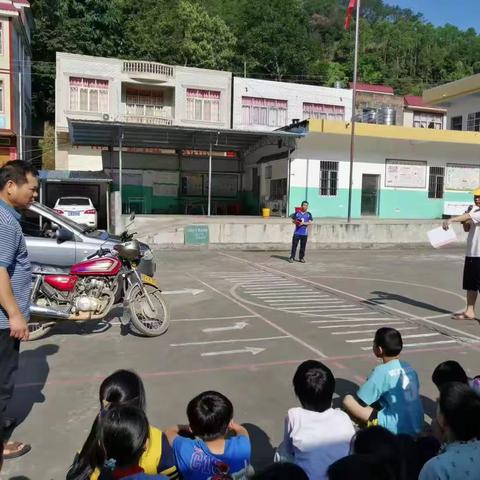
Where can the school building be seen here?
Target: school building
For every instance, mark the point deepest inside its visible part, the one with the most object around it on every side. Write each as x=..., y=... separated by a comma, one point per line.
x=398, y=172
x=181, y=140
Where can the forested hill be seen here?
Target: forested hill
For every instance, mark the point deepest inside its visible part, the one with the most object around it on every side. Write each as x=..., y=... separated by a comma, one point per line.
x=289, y=40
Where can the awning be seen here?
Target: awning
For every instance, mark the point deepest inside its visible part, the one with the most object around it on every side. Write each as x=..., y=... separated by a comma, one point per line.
x=107, y=134
x=74, y=176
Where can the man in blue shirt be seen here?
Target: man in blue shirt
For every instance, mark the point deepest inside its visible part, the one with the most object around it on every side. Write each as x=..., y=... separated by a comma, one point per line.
x=18, y=189
x=302, y=220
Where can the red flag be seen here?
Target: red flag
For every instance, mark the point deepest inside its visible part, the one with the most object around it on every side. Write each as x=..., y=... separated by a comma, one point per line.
x=350, y=8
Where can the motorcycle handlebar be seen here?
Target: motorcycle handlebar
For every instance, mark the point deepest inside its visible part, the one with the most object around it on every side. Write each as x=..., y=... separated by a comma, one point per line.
x=99, y=253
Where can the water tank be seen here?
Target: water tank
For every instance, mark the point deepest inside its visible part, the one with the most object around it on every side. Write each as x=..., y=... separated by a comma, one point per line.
x=387, y=116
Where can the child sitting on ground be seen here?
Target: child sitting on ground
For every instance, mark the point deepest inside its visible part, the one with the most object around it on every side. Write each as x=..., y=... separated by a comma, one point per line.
x=393, y=386
x=124, y=438
x=316, y=435
x=452, y=371
x=123, y=387
x=212, y=453
x=459, y=418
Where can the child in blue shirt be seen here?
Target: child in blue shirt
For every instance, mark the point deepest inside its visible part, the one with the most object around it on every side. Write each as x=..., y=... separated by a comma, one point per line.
x=212, y=454
x=390, y=397
x=458, y=416
x=123, y=436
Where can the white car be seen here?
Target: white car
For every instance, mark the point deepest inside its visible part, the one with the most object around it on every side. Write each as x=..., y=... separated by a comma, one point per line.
x=78, y=209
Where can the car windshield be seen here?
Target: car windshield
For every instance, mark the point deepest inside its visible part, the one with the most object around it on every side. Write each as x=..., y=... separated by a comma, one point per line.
x=61, y=219
x=74, y=201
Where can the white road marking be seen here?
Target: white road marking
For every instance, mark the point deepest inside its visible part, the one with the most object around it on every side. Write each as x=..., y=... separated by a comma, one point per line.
x=326, y=307
x=419, y=335
x=296, y=303
x=211, y=318
x=358, y=325
x=366, y=313
x=370, y=331
x=193, y=291
x=421, y=344
x=347, y=320
x=278, y=289
x=270, y=283
x=266, y=320
x=211, y=342
x=362, y=299
x=277, y=295
x=252, y=350
x=237, y=326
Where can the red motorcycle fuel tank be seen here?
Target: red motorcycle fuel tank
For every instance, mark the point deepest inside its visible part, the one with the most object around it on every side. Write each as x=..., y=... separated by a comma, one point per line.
x=103, y=266
x=64, y=283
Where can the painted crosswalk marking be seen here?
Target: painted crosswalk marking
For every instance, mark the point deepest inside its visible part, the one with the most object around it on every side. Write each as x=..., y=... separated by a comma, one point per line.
x=354, y=332
x=346, y=318
x=360, y=325
x=421, y=344
x=420, y=335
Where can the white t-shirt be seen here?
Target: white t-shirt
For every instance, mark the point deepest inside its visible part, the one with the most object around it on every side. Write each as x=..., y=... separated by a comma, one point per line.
x=473, y=239
x=316, y=440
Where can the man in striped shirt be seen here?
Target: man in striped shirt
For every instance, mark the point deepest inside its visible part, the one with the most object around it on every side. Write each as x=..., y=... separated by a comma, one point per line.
x=18, y=189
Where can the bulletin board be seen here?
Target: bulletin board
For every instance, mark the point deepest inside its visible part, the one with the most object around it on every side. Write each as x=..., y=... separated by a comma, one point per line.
x=192, y=184
x=462, y=177
x=222, y=185
x=165, y=184
x=405, y=173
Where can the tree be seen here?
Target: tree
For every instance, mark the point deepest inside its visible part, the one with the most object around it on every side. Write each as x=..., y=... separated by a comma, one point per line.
x=273, y=38
x=180, y=32
x=88, y=27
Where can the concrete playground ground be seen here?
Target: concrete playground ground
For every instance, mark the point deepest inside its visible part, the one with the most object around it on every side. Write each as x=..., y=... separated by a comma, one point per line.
x=241, y=323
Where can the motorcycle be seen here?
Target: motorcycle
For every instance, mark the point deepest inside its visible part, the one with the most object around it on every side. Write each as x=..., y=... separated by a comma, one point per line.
x=88, y=292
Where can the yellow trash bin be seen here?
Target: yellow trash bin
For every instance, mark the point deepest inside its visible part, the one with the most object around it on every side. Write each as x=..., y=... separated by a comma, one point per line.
x=265, y=212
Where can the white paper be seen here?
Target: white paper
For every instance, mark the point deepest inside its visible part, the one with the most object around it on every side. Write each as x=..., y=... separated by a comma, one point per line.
x=439, y=237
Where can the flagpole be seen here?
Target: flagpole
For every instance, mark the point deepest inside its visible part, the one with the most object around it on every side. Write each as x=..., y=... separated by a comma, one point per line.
x=354, y=102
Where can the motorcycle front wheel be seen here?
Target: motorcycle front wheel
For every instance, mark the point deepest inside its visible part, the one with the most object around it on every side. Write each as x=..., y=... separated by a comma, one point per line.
x=144, y=320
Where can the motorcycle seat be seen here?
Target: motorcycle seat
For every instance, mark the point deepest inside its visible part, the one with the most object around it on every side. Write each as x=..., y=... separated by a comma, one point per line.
x=40, y=268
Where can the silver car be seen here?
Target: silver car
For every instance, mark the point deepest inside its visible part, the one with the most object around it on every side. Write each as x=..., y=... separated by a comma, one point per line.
x=58, y=241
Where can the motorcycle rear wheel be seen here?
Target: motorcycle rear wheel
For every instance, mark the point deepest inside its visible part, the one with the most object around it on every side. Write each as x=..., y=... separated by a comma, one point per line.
x=145, y=321
x=38, y=327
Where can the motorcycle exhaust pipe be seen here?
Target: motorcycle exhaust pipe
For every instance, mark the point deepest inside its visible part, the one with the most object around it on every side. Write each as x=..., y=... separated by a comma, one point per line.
x=39, y=311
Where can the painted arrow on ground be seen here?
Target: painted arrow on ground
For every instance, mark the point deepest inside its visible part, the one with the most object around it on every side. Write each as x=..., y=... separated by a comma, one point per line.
x=237, y=326
x=193, y=291
x=252, y=350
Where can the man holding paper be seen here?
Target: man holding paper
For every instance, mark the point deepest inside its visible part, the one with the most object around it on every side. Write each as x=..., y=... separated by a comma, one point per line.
x=471, y=271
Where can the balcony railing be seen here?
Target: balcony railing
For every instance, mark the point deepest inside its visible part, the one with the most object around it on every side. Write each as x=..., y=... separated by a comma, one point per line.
x=148, y=70
x=147, y=120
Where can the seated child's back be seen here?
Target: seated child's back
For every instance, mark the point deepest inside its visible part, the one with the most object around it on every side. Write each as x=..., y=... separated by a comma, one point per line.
x=395, y=385
x=213, y=453
x=316, y=435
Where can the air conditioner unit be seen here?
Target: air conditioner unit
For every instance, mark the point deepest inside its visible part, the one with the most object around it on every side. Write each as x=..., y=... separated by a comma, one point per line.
x=106, y=117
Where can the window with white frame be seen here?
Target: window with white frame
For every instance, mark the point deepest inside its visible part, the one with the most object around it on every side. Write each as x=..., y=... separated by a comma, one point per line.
x=88, y=95
x=435, y=182
x=144, y=103
x=203, y=105
x=428, y=120
x=321, y=111
x=1, y=38
x=264, y=111
x=2, y=102
x=328, y=178
x=456, y=123
x=473, y=122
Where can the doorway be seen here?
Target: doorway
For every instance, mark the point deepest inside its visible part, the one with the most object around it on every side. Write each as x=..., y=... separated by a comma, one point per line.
x=370, y=194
